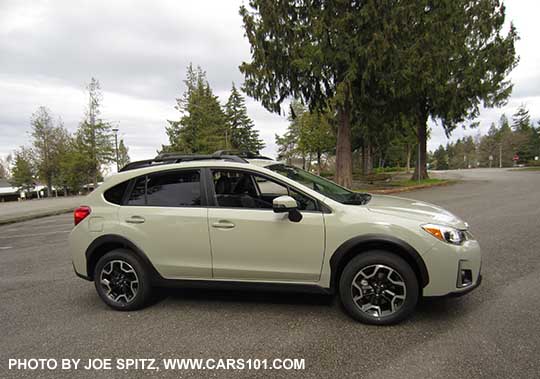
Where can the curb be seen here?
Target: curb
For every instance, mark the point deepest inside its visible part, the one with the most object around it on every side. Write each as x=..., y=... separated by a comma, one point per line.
x=36, y=216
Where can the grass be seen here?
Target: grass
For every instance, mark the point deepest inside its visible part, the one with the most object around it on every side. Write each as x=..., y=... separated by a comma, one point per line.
x=533, y=168
x=405, y=185
x=410, y=183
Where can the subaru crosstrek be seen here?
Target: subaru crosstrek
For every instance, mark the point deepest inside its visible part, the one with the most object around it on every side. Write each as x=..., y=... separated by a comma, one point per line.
x=223, y=221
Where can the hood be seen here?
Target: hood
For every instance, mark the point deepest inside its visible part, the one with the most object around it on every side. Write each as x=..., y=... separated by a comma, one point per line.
x=414, y=209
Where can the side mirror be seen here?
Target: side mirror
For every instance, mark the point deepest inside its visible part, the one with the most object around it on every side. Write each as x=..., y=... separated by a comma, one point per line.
x=286, y=204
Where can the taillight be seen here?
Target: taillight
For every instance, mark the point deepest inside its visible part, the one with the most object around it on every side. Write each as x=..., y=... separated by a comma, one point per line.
x=81, y=213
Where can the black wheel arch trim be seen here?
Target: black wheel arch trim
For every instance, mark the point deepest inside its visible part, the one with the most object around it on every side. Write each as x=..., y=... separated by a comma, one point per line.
x=115, y=241
x=351, y=247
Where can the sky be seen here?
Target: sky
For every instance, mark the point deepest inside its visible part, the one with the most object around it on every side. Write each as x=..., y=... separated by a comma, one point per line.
x=139, y=51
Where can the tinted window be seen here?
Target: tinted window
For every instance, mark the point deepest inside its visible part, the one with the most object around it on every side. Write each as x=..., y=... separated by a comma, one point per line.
x=237, y=189
x=168, y=189
x=116, y=194
x=137, y=193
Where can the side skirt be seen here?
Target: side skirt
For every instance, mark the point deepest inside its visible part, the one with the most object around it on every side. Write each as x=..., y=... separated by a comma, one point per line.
x=242, y=286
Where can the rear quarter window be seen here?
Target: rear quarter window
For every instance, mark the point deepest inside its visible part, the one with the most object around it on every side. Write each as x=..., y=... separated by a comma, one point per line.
x=115, y=194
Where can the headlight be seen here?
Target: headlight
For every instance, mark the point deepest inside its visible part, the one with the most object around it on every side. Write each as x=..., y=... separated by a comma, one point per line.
x=446, y=233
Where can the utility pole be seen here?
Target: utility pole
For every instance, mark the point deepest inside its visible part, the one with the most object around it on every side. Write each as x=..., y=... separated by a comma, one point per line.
x=115, y=130
x=500, y=155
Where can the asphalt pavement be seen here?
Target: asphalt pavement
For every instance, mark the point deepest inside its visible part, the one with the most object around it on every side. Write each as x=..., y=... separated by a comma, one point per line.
x=494, y=332
x=16, y=211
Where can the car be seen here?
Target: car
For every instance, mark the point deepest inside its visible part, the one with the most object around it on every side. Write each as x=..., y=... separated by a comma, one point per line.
x=230, y=222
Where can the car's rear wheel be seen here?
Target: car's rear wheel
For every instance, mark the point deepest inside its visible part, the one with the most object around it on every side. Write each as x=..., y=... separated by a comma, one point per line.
x=378, y=287
x=121, y=280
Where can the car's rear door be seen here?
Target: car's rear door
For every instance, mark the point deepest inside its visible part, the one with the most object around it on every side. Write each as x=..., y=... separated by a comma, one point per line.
x=165, y=216
x=250, y=241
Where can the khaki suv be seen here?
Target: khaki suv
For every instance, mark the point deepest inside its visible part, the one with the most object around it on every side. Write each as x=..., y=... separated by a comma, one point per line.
x=229, y=222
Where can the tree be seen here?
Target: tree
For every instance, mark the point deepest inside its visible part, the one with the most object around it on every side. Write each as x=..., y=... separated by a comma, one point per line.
x=4, y=167
x=75, y=165
x=450, y=57
x=241, y=133
x=48, y=142
x=308, y=51
x=521, y=120
x=203, y=125
x=123, y=154
x=94, y=134
x=316, y=135
x=440, y=158
x=23, y=175
x=309, y=135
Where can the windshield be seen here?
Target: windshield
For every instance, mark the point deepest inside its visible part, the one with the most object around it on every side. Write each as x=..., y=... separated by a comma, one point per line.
x=323, y=186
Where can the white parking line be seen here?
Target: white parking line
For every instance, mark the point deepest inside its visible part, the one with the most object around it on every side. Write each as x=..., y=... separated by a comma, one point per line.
x=5, y=247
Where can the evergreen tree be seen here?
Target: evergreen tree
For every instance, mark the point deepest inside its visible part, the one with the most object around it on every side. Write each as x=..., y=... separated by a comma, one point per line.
x=203, y=126
x=241, y=134
x=94, y=135
x=123, y=154
x=424, y=59
x=440, y=158
x=521, y=120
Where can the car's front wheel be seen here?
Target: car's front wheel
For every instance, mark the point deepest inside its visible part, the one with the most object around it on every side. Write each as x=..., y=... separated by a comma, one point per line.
x=121, y=280
x=378, y=287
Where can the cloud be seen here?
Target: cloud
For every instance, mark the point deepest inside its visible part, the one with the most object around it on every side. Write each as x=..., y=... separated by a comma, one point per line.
x=139, y=51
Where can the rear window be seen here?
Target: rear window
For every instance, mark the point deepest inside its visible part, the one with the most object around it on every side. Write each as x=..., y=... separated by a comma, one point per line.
x=115, y=194
x=167, y=189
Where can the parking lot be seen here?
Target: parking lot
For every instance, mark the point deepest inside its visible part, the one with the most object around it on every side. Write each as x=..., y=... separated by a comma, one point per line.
x=46, y=312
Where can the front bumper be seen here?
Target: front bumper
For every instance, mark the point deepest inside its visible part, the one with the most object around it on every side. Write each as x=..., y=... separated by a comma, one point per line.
x=468, y=289
x=445, y=263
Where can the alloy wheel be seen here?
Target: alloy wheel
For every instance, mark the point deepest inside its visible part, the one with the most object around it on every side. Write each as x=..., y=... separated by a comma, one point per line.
x=120, y=281
x=378, y=290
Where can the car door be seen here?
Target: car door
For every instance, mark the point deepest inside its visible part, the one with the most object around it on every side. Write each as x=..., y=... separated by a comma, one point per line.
x=165, y=216
x=251, y=242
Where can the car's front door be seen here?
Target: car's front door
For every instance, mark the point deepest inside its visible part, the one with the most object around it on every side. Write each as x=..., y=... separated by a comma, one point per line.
x=165, y=217
x=251, y=242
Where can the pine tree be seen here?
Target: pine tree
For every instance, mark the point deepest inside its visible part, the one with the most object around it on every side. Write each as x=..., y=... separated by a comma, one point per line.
x=94, y=134
x=123, y=154
x=241, y=134
x=203, y=126
x=521, y=120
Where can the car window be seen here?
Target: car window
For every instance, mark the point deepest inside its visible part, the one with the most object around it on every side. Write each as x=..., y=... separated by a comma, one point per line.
x=137, y=193
x=239, y=189
x=115, y=194
x=168, y=189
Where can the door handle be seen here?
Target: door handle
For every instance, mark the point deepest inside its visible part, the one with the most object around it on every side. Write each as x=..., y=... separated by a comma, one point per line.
x=135, y=220
x=223, y=225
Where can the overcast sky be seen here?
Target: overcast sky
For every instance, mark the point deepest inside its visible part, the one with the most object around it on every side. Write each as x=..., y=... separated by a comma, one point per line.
x=139, y=51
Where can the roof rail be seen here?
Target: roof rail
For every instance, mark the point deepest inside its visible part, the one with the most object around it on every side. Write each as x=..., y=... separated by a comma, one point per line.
x=170, y=158
x=246, y=154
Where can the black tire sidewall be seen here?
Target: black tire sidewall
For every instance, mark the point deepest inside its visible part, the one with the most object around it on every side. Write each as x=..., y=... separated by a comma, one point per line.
x=388, y=259
x=143, y=293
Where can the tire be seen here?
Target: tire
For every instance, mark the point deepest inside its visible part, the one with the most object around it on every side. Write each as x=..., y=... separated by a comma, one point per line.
x=122, y=281
x=374, y=299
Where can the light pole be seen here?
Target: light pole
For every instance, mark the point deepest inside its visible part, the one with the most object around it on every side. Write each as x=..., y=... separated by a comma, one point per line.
x=115, y=131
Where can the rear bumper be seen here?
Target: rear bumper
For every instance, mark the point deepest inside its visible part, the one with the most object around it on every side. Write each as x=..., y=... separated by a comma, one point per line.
x=81, y=275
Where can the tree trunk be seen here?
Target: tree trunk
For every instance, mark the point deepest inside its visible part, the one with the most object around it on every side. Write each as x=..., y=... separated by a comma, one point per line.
x=318, y=162
x=367, y=159
x=409, y=151
x=343, y=147
x=421, y=163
